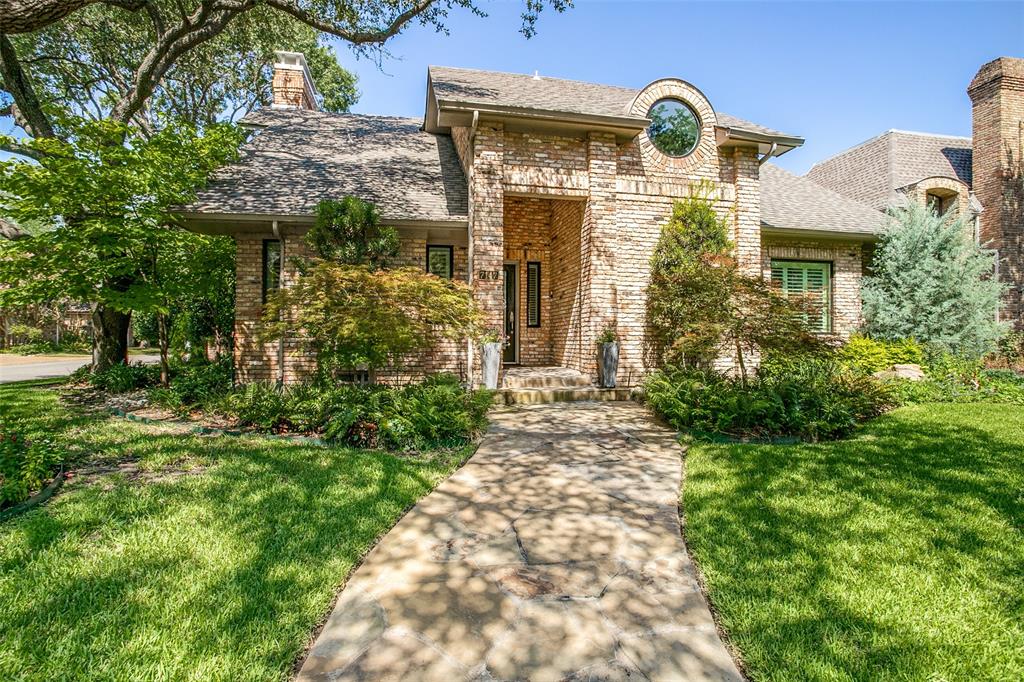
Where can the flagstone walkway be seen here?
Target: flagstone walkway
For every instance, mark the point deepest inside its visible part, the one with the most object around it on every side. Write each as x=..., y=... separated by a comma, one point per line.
x=553, y=554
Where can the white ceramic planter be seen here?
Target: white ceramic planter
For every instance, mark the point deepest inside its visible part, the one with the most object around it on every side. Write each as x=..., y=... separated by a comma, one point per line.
x=490, y=359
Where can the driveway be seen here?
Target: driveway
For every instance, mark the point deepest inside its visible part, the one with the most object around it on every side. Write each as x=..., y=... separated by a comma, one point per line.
x=25, y=367
x=554, y=553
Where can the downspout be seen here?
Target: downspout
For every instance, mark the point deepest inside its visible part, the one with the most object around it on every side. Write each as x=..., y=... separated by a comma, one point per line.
x=280, y=280
x=470, y=349
x=771, y=152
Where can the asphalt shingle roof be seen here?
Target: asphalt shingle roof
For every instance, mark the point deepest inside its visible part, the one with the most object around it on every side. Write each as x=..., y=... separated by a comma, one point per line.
x=300, y=157
x=473, y=86
x=792, y=202
x=872, y=171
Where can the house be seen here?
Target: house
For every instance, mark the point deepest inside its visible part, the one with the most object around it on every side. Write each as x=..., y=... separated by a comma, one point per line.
x=546, y=195
x=980, y=179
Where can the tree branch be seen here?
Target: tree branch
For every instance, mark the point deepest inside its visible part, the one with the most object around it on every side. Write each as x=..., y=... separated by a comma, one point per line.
x=27, y=112
x=25, y=16
x=358, y=37
x=206, y=22
x=21, y=150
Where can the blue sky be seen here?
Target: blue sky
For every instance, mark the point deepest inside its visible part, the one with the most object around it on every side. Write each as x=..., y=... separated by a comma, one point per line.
x=835, y=73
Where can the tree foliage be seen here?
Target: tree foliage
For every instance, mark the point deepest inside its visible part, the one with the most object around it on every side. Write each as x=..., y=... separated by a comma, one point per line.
x=353, y=311
x=930, y=281
x=349, y=232
x=701, y=306
x=105, y=197
x=88, y=66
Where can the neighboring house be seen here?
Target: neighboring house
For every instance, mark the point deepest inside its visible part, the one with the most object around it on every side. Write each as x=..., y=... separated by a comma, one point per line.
x=546, y=195
x=981, y=182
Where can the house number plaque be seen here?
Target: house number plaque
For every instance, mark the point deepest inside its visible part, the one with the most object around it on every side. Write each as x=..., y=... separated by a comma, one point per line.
x=488, y=274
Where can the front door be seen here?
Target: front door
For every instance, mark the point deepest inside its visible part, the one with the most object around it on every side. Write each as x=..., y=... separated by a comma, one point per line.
x=511, y=351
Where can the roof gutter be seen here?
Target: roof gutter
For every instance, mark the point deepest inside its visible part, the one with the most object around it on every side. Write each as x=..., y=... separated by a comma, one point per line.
x=547, y=115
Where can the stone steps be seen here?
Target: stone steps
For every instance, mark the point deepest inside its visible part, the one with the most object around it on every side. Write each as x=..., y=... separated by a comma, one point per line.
x=543, y=377
x=542, y=396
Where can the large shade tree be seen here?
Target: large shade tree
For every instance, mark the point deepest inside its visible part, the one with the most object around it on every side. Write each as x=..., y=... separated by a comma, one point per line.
x=141, y=65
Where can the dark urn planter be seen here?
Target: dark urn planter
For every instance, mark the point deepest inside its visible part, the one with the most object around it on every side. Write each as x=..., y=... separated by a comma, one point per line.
x=607, y=364
x=490, y=355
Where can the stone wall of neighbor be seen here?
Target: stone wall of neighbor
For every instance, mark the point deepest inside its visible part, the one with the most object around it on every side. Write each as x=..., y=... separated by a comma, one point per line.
x=997, y=95
x=846, y=258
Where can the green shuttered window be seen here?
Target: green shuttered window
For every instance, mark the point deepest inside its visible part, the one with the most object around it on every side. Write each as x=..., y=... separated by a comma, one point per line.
x=533, y=294
x=810, y=281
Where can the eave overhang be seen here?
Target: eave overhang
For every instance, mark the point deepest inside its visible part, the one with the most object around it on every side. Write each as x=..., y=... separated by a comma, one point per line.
x=772, y=231
x=727, y=136
x=233, y=223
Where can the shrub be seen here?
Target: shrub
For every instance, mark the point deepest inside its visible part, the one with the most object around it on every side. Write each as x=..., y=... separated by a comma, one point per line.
x=432, y=414
x=814, y=398
x=125, y=378
x=932, y=282
x=197, y=383
x=261, y=405
x=1009, y=354
x=866, y=355
x=701, y=305
x=25, y=465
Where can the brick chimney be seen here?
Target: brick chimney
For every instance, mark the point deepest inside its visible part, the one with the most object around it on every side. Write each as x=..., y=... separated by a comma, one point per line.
x=293, y=85
x=997, y=95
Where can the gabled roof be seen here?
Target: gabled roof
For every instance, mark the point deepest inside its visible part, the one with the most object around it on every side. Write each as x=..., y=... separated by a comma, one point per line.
x=791, y=202
x=469, y=87
x=299, y=157
x=872, y=171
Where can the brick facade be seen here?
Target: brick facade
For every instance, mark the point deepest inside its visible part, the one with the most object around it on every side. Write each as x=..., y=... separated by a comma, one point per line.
x=997, y=94
x=260, y=362
x=846, y=260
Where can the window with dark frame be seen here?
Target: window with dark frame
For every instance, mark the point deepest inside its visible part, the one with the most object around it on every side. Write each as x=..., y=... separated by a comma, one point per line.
x=532, y=294
x=441, y=261
x=935, y=203
x=271, y=266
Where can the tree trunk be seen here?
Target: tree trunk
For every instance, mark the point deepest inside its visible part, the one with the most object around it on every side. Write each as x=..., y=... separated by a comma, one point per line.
x=110, y=337
x=165, y=373
x=743, y=366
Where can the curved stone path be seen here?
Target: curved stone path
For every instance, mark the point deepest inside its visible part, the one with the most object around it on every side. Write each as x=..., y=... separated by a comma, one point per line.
x=553, y=554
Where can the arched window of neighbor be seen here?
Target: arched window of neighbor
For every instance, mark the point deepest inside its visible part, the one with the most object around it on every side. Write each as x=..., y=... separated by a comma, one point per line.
x=674, y=129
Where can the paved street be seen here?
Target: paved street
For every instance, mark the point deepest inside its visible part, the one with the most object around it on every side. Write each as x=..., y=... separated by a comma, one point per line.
x=25, y=367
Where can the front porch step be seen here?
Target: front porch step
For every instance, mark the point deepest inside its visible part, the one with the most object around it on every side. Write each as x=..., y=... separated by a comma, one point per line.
x=544, y=377
x=542, y=396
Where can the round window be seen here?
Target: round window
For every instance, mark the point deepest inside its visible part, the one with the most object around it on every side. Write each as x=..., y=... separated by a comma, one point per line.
x=674, y=129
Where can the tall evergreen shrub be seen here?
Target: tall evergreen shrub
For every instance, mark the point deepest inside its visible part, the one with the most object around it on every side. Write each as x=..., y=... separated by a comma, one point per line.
x=933, y=283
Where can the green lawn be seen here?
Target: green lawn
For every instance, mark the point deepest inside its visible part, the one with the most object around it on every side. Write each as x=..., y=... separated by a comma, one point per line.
x=898, y=554
x=214, y=561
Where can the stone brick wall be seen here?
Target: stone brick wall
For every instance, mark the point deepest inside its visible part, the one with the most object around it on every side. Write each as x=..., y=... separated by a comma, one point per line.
x=846, y=258
x=291, y=89
x=566, y=320
x=256, y=362
x=997, y=94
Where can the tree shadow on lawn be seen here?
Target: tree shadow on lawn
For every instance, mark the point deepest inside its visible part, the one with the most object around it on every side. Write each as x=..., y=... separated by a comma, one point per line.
x=896, y=552
x=223, y=574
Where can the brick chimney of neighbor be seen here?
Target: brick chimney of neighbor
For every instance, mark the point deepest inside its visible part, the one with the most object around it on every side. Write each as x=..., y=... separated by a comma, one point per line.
x=293, y=85
x=997, y=95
